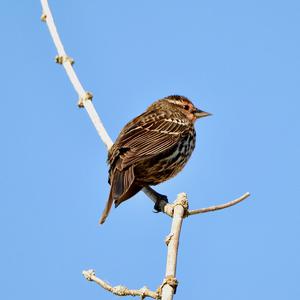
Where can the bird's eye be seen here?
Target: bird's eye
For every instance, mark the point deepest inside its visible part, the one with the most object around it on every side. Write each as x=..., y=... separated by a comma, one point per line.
x=186, y=107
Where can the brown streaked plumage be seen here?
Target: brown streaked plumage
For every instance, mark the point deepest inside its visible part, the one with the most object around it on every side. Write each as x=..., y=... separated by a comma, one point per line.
x=152, y=148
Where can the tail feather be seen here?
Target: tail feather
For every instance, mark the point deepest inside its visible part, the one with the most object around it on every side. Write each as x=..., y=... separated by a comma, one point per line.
x=107, y=208
x=122, y=188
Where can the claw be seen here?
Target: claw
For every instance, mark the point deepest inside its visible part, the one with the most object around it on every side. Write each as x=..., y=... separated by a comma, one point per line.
x=157, y=203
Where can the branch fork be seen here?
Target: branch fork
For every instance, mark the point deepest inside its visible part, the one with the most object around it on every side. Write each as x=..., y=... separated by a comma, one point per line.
x=178, y=211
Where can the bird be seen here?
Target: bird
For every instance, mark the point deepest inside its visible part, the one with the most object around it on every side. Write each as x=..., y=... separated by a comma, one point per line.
x=152, y=148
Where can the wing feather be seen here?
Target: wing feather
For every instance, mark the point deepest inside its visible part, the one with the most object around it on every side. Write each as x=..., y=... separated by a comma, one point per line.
x=150, y=136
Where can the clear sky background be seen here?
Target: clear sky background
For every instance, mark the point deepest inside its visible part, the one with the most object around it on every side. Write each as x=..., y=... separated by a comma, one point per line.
x=236, y=59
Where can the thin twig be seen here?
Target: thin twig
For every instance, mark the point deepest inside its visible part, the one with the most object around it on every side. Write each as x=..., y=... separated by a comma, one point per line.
x=119, y=290
x=67, y=62
x=218, y=207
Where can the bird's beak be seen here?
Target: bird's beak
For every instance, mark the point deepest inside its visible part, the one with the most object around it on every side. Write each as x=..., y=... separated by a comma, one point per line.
x=198, y=113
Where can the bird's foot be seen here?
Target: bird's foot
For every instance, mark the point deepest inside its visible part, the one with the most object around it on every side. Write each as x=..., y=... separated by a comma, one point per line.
x=160, y=200
x=160, y=203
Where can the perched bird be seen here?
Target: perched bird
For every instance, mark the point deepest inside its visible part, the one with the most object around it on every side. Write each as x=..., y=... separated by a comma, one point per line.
x=152, y=148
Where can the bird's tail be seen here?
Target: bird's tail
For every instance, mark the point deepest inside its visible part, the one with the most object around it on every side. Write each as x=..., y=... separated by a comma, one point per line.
x=122, y=188
x=107, y=208
x=118, y=181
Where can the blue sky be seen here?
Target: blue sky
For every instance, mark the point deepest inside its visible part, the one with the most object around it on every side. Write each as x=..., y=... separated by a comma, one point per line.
x=236, y=59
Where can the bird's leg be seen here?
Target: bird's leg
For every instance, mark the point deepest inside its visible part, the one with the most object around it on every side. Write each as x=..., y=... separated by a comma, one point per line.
x=159, y=199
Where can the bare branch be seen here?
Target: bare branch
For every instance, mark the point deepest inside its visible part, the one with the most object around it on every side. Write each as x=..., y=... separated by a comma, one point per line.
x=167, y=208
x=218, y=207
x=119, y=290
x=67, y=62
x=84, y=96
x=177, y=211
x=169, y=285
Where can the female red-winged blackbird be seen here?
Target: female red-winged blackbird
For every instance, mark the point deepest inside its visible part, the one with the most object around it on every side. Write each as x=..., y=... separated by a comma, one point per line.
x=151, y=148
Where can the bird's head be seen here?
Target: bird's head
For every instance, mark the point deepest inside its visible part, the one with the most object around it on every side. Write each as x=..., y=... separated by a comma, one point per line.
x=186, y=106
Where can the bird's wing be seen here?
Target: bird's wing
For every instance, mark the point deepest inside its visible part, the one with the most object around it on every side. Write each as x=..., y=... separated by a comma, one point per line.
x=150, y=136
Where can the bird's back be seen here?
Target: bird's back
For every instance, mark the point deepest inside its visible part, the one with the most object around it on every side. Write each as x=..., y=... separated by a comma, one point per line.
x=157, y=144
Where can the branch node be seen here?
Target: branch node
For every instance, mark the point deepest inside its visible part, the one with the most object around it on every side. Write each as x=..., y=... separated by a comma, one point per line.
x=60, y=59
x=120, y=290
x=43, y=17
x=87, y=96
x=145, y=292
x=182, y=201
x=171, y=281
x=88, y=274
x=168, y=238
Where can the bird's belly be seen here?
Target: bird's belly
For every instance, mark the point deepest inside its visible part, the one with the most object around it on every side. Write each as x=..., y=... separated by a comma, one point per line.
x=168, y=164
